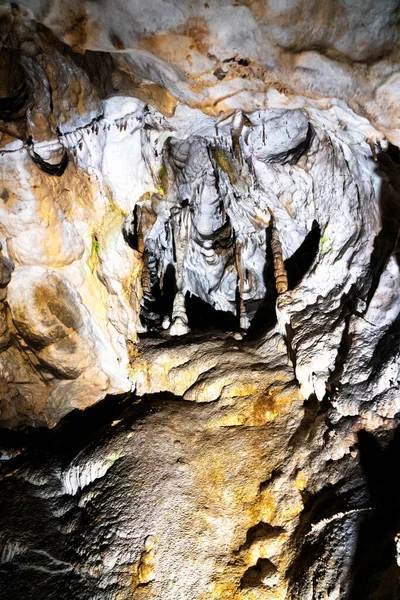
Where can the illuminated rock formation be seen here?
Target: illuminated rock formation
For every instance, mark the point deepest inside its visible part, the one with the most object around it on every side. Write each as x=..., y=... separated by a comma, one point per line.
x=199, y=224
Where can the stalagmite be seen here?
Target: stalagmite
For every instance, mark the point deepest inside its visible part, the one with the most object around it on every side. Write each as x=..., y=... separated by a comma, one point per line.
x=179, y=319
x=180, y=233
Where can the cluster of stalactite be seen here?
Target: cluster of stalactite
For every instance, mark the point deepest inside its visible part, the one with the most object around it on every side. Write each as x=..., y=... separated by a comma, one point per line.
x=207, y=230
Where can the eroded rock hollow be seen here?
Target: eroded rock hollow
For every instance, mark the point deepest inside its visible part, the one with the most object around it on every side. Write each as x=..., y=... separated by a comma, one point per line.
x=199, y=301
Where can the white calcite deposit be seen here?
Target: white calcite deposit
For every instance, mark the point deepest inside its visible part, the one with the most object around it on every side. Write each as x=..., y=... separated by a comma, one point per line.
x=194, y=194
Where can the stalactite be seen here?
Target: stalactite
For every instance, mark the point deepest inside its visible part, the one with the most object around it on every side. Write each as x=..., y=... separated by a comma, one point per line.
x=146, y=276
x=239, y=121
x=281, y=280
x=180, y=233
x=243, y=318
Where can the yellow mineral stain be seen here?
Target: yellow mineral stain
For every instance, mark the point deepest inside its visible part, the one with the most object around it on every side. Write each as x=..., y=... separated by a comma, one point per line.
x=172, y=47
x=142, y=572
x=263, y=410
x=261, y=406
x=257, y=411
x=225, y=163
x=163, y=179
x=176, y=45
x=226, y=490
x=301, y=480
x=158, y=97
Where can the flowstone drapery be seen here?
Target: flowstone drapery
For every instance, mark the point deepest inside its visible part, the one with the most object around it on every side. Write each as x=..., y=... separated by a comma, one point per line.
x=209, y=219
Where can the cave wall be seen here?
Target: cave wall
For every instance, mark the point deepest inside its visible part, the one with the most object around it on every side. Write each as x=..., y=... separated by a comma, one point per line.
x=199, y=222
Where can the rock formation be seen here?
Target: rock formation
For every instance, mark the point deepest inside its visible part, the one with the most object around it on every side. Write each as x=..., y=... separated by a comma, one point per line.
x=199, y=301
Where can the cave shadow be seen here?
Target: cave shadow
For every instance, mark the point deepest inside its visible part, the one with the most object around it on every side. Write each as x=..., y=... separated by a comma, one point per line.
x=265, y=315
x=30, y=524
x=72, y=433
x=203, y=316
x=386, y=244
x=375, y=574
x=296, y=268
x=154, y=309
x=319, y=506
x=386, y=241
x=78, y=429
x=301, y=261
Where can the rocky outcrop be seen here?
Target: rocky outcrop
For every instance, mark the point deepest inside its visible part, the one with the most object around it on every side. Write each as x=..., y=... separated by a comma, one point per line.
x=251, y=495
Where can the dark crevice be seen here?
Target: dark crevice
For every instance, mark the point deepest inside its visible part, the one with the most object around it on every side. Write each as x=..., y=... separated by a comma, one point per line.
x=51, y=106
x=130, y=230
x=293, y=155
x=254, y=576
x=273, y=477
x=386, y=348
x=203, y=316
x=394, y=153
x=289, y=335
x=296, y=267
x=347, y=311
x=301, y=261
x=312, y=409
x=259, y=532
x=331, y=499
x=385, y=241
x=79, y=428
x=10, y=108
x=158, y=305
x=375, y=572
x=14, y=103
x=265, y=315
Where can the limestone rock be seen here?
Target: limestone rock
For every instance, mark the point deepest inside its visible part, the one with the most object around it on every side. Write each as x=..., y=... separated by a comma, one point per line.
x=6, y=269
x=199, y=250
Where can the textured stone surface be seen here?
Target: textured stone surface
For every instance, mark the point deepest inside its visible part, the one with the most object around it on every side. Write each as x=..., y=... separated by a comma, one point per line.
x=216, y=488
x=247, y=55
x=245, y=497
x=313, y=170
x=199, y=219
